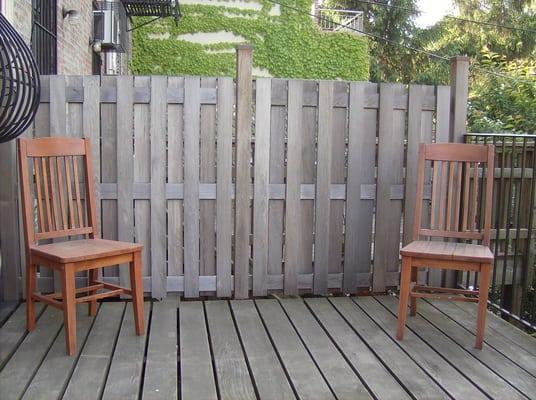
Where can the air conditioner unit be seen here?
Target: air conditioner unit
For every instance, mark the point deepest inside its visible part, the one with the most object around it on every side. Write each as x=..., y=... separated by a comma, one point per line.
x=109, y=26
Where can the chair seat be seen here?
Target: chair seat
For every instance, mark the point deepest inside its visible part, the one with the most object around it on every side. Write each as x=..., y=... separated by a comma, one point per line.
x=83, y=250
x=448, y=251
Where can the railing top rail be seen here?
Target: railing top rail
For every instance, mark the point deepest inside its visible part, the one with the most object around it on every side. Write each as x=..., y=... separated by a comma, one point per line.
x=504, y=134
x=341, y=10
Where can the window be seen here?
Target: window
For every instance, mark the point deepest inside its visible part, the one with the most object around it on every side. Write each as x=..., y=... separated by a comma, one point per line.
x=44, y=35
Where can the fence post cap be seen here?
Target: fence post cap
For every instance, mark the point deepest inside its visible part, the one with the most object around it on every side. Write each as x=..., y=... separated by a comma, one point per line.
x=245, y=46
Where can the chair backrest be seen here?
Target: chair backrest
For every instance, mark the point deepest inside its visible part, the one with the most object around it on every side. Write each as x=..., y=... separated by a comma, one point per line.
x=461, y=191
x=58, y=199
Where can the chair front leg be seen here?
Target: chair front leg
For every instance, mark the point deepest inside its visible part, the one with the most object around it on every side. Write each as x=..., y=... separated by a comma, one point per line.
x=136, y=285
x=413, y=300
x=483, y=288
x=69, y=307
x=31, y=270
x=405, y=279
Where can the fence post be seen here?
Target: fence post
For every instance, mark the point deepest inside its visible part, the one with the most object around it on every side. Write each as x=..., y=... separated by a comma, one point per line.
x=459, y=94
x=9, y=224
x=244, y=97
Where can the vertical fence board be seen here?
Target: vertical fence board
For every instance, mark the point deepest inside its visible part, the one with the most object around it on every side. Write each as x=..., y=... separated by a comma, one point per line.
x=224, y=228
x=244, y=93
x=323, y=187
x=293, y=215
x=158, y=186
x=390, y=167
x=261, y=181
x=175, y=175
x=277, y=176
x=191, y=186
x=125, y=167
x=207, y=261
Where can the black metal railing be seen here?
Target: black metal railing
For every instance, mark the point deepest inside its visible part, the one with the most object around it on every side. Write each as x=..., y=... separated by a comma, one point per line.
x=44, y=35
x=513, y=285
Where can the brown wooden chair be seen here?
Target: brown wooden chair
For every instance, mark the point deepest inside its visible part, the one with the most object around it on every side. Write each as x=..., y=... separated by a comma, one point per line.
x=457, y=207
x=56, y=209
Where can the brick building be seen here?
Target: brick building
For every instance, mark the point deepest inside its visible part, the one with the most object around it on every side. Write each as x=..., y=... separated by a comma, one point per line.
x=62, y=35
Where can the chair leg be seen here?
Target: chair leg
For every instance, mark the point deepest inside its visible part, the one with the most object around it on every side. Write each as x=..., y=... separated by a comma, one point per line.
x=483, y=287
x=69, y=308
x=136, y=285
x=413, y=300
x=31, y=270
x=92, y=305
x=404, y=295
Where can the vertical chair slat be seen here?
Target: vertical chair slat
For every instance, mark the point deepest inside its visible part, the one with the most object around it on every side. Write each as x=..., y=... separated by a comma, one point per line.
x=69, y=192
x=61, y=192
x=466, y=192
x=435, y=177
x=47, y=194
x=77, y=193
x=53, y=194
x=39, y=196
x=458, y=196
x=474, y=198
x=443, y=195
x=450, y=190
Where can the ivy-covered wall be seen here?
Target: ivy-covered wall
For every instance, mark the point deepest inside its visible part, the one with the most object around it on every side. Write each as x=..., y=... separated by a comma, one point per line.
x=289, y=45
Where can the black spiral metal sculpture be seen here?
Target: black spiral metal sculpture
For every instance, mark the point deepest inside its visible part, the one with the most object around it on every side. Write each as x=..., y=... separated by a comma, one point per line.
x=20, y=85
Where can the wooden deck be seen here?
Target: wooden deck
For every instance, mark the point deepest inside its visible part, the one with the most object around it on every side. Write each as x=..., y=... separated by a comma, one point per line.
x=312, y=348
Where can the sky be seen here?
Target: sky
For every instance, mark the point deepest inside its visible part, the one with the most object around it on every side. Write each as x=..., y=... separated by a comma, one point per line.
x=432, y=11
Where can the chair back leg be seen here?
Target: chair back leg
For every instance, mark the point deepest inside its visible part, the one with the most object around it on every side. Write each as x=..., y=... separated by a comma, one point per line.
x=92, y=305
x=31, y=270
x=136, y=284
x=483, y=287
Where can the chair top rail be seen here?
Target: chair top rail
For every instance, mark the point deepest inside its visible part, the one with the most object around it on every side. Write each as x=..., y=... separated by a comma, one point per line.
x=457, y=152
x=54, y=147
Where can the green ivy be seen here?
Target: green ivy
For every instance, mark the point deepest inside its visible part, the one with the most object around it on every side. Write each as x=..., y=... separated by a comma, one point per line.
x=289, y=45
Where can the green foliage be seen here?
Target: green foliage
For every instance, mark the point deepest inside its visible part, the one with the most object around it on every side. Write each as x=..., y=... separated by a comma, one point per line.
x=289, y=45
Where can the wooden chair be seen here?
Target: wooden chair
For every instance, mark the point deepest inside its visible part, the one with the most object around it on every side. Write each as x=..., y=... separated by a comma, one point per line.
x=56, y=209
x=455, y=214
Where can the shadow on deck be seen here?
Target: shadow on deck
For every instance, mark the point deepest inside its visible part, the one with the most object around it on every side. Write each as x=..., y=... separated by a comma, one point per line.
x=313, y=348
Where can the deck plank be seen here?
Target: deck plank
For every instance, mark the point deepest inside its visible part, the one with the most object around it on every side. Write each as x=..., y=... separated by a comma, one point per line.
x=6, y=309
x=509, y=371
x=53, y=375
x=305, y=376
x=342, y=379
x=161, y=374
x=407, y=370
x=124, y=377
x=89, y=376
x=457, y=385
x=494, y=385
x=14, y=331
x=378, y=379
x=18, y=372
x=231, y=368
x=268, y=374
x=197, y=376
x=521, y=353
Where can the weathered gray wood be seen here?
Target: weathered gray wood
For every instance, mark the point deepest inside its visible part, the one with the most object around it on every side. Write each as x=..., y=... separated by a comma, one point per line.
x=197, y=376
x=342, y=380
x=6, y=310
x=456, y=384
x=276, y=213
x=191, y=187
x=142, y=173
x=488, y=356
x=270, y=379
x=244, y=98
x=125, y=167
x=261, y=181
x=175, y=175
x=158, y=187
x=495, y=386
x=54, y=373
x=323, y=183
x=390, y=171
x=406, y=369
x=124, y=376
x=224, y=156
x=207, y=174
x=459, y=93
x=13, y=331
x=293, y=213
x=377, y=377
x=361, y=162
x=18, y=372
x=232, y=372
x=92, y=367
x=160, y=381
x=109, y=168
x=305, y=376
